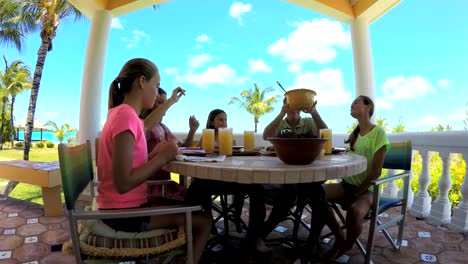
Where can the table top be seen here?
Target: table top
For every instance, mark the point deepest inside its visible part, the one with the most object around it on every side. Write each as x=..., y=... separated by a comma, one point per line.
x=271, y=170
x=34, y=165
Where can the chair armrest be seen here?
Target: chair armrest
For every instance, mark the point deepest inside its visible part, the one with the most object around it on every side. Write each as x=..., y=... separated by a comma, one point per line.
x=390, y=178
x=159, y=182
x=135, y=212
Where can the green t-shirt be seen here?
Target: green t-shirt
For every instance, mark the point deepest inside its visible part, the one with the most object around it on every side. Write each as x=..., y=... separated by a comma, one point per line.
x=306, y=125
x=367, y=146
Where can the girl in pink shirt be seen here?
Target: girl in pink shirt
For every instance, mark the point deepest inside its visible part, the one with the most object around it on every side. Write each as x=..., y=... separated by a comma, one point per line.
x=124, y=164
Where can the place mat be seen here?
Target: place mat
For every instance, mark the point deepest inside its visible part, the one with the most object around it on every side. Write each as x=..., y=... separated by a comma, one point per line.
x=207, y=158
x=193, y=152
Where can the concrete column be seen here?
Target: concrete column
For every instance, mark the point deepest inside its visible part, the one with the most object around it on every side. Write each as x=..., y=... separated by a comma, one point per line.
x=90, y=106
x=362, y=54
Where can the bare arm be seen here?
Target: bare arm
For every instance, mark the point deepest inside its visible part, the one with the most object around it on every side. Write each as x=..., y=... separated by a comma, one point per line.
x=125, y=176
x=374, y=173
x=316, y=116
x=270, y=130
x=193, y=124
x=157, y=114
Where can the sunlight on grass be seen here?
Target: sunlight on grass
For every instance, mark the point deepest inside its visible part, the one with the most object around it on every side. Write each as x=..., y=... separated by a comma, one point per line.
x=45, y=154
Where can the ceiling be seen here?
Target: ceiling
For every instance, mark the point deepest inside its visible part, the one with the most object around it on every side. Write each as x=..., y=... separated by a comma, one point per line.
x=342, y=10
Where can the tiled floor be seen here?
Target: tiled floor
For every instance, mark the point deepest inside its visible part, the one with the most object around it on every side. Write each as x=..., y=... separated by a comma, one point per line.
x=27, y=237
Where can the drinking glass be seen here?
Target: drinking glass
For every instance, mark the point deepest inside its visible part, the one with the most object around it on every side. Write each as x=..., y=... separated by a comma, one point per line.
x=225, y=141
x=208, y=140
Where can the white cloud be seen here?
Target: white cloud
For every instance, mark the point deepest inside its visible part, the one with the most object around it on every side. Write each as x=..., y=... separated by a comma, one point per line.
x=399, y=88
x=295, y=67
x=221, y=74
x=198, y=47
x=328, y=84
x=258, y=66
x=428, y=121
x=238, y=9
x=171, y=71
x=443, y=83
x=116, y=23
x=315, y=40
x=202, y=38
x=136, y=38
x=383, y=104
x=197, y=61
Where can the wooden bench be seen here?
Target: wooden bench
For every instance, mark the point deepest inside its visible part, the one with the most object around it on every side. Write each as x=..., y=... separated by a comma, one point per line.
x=44, y=174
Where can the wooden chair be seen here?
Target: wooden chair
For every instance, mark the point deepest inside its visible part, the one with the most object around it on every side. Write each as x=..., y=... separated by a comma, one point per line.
x=76, y=169
x=397, y=158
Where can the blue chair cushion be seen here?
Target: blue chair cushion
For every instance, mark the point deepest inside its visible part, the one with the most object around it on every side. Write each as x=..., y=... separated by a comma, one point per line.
x=386, y=203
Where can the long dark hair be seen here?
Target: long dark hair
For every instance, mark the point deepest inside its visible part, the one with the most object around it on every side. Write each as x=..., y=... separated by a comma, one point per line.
x=212, y=116
x=133, y=69
x=353, y=136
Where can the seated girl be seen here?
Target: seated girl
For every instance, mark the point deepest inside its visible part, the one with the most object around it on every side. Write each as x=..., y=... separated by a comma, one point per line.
x=354, y=193
x=124, y=164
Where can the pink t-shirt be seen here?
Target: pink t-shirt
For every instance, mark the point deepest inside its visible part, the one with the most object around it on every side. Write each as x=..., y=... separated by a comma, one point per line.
x=120, y=119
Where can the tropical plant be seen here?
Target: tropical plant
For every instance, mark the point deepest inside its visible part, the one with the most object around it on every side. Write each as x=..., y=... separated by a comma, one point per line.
x=62, y=132
x=382, y=123
x=400, y=128
x=48, y=14
x=255, y=101
x=15, y=25
x=441, y=128
x=350, y=129
x=14, y=80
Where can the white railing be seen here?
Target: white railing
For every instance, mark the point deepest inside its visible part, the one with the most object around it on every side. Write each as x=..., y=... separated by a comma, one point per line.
x=447, y=144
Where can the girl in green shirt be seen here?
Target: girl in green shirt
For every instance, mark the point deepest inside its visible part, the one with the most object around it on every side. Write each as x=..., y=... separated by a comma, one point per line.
x=353, y=192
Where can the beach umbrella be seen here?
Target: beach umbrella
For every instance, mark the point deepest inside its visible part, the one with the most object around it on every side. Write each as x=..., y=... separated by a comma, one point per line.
x=22, y=124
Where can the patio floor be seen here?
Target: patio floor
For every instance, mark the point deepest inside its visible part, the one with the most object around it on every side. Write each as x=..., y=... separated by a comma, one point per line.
x=26, y=236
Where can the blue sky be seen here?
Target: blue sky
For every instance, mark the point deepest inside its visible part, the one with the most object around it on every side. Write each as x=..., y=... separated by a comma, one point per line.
x=214, y=49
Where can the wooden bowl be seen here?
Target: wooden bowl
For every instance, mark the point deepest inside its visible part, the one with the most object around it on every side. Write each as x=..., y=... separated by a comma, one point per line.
x=297, y=151
x=300, y=99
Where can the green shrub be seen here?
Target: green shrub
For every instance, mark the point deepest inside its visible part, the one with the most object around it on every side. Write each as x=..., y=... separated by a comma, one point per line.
x=19, y=144
x=50, y=144
x=40, y=145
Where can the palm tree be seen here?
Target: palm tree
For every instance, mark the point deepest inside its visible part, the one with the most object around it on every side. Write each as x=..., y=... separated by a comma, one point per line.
x=48, y=14
x=14, y=25
x=62, y=132
x=255, y=101
x=15, y=79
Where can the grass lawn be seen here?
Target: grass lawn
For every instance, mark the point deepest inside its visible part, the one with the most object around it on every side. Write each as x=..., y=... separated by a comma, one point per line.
x=25, y=191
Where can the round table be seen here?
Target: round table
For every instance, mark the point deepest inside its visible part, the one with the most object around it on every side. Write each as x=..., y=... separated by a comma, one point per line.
x=271, y=170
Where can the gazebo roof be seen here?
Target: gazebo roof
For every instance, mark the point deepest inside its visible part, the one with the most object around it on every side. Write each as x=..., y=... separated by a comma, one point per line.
x=342, y=10
x=22, y=124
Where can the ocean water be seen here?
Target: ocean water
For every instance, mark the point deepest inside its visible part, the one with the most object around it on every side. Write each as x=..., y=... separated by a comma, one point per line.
x=46, y=135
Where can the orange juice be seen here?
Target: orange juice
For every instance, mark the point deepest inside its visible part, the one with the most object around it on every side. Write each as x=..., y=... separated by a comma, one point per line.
x=225, y=141
x=249, y=139
x=327, y=133
x=208, y=140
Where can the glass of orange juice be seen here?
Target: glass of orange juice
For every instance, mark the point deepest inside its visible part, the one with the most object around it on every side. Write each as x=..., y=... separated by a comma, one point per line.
x=327, y=133
x=249, y=139
x=208, y=140
x=225, y=141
